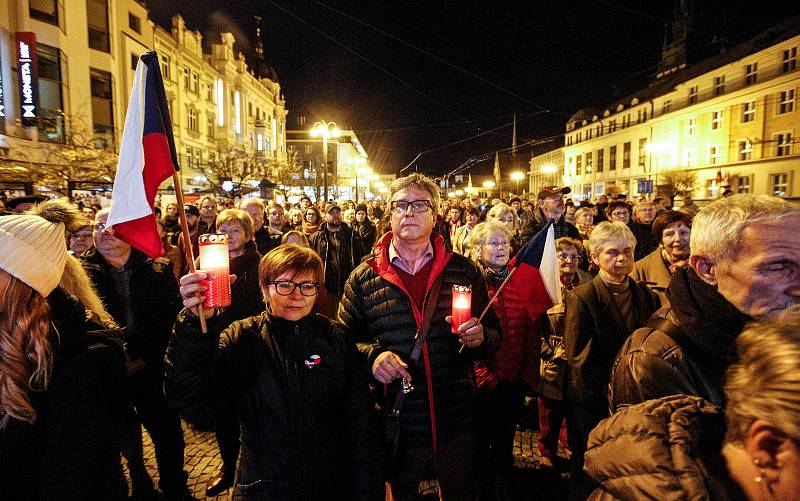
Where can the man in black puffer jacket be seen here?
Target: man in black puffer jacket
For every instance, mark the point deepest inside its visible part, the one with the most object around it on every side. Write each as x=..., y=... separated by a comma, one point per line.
x=383, y=306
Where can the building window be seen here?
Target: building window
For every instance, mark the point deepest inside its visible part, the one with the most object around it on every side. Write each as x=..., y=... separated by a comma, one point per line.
x=612, y=126
x=589, y=162
x=744, y=184
x=134, y=23
x=600, y=160
x=97, y=15
x=188, y=158
x=745, y=150
x=626, y=155
x=51, y=104
x=692, y=94
x=578, y=165
x=690, y=157
x=642, y=152
x=134, y=61
x=751, y=74
x=210, y=127
x=191, y=115
x=691, y=126
x=748, y=111
x=102, y=104
x=780, y=184
x=195, y=83
x=785, y=101
x=789, y=60
x=666, y=107
x=714, y=155
x=783, y=144
x=612, y=157
x=165, y=67
x=716, y=120
x=719, y=85
x=589, y=133
x=580, y=134
x=44, y=10
x=186, y=77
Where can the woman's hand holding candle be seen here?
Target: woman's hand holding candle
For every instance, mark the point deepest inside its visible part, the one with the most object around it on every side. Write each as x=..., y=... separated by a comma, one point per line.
x=190, y=285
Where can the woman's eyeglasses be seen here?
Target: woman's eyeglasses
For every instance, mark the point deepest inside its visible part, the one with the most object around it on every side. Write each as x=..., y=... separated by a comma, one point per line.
x=287, y=287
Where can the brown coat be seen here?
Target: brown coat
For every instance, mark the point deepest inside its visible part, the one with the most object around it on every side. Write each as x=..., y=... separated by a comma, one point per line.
x=652, y=268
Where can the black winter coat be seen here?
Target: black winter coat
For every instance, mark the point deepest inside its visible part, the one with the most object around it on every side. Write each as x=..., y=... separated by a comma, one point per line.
x=382, y=317
x=155, y=301
x=267, y=239
x=300, y=391
x=367, y=232
x=72, y=450
x=351, y=251
x=685, y=348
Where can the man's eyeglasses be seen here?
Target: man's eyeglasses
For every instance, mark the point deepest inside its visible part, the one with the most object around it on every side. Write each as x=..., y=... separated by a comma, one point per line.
x=100, y=226
x=400, y=206
x=287, y=287
x=495, y=244
x=619, y=213
x=567, y=257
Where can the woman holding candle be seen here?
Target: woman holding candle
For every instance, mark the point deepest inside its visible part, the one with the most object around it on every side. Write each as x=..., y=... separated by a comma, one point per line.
x=514, y=369
x=295, y=381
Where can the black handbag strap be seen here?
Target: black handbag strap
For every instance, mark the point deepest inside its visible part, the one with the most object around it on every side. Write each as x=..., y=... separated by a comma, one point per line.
x=422, y=335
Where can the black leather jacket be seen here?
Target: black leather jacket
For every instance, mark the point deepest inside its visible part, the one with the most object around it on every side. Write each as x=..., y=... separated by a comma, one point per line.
x=307, y=426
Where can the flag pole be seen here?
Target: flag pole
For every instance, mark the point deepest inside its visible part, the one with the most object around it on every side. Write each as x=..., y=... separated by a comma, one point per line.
x=499, y=289
x=187, y=243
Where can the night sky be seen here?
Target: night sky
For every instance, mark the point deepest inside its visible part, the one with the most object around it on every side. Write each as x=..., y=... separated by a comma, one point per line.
x=418, y=76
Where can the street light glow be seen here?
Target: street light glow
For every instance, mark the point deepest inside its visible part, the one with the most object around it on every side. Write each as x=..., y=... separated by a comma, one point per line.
x=489, y=184
x=517, y=176
x=549, y=169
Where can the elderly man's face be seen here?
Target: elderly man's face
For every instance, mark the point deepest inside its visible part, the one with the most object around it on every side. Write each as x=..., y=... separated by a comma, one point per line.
x=645, y=214
x=552, y=207
x=764, y=278
x=208, y=209
x=256, y=213
x=409, y=225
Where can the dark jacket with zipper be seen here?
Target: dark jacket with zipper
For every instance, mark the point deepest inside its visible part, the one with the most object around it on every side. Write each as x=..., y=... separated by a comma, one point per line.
x=382, y=317
x=72, y=450
x=300, y=391
x=537, y=222
x=685, y=348
x=154, y=299
x=350, y=253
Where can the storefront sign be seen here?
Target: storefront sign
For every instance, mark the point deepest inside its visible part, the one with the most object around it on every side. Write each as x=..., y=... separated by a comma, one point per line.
x=28, y=78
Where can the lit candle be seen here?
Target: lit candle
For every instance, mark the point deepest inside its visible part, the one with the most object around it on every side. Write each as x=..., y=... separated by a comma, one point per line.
x=462, y=306
x=214, y=261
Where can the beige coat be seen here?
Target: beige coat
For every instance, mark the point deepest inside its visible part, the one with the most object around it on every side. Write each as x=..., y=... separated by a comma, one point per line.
x=652, y=268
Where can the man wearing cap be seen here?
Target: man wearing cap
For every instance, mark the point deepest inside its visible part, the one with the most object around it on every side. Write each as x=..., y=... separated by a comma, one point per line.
x=550, y=207
x=341, y=250
x=142, y=295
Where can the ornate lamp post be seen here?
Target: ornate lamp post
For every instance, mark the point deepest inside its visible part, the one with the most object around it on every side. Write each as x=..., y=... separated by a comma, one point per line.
x=325, y=130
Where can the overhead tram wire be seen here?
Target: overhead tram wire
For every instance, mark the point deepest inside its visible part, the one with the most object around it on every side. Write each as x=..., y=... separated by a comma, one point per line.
x=365, y=59
x=434, y=56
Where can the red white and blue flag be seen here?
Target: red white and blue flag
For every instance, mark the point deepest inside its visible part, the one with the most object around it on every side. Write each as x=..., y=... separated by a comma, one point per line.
x=147, y=158
x=537, y=272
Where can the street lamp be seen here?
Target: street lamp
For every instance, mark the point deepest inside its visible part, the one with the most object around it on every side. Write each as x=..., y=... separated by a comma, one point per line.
x=362, y=171
x=517, y=176
x=325, y=130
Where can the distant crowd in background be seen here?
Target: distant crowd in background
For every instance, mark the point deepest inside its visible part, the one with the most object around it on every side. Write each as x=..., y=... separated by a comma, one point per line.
x=668, y=371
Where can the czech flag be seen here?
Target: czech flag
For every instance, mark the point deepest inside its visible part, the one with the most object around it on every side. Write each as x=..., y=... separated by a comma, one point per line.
x=147, y=157
x=537, y=272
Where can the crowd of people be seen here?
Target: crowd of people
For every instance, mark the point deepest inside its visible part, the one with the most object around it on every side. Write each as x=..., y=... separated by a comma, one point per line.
x=668, y=371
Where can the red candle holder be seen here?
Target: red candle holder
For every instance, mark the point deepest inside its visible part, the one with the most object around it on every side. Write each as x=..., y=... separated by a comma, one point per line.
x=214, y=261
x=462, y=306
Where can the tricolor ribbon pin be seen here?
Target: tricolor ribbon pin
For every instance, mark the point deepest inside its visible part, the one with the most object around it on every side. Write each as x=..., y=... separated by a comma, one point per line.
x=312, y=361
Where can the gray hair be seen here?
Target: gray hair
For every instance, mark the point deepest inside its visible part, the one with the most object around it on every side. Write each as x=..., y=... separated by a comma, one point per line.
x=250, y=201
x=420, y=181
x=480, y=233
x=717, y=228
x=765, y=383
x=606, y=232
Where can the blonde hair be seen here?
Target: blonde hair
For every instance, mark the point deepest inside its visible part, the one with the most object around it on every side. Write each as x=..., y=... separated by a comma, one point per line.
x=26, y=356
x=480, y=233
x=608, y=231
x=765, y=383
x=499, y=210
x=239, y=216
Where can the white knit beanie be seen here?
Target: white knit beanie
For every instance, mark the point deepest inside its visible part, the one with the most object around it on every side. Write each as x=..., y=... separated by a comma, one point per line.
x=33, y=250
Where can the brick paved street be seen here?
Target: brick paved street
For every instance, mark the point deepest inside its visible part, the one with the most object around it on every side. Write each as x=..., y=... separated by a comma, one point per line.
x=203, y=461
